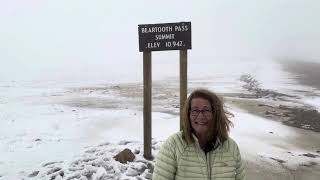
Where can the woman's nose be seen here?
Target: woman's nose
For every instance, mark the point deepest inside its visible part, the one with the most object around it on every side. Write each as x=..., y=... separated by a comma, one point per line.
x=201, y=114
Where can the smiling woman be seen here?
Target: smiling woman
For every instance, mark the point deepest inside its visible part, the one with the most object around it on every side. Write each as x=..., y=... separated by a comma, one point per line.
x=203, y=149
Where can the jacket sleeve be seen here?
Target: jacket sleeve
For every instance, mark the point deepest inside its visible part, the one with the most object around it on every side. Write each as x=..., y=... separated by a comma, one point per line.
x=166, y=162
x=240, y=171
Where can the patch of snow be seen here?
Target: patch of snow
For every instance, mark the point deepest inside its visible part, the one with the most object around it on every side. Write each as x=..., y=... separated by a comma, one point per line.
x=315, y=102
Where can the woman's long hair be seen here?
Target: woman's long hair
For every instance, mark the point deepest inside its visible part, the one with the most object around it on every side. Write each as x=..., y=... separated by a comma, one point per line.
x=221, y=124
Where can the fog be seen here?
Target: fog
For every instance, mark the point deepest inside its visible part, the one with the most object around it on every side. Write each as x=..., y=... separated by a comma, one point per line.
x=82, y=40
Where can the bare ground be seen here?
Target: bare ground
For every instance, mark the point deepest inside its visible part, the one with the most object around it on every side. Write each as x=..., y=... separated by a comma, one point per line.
x=265, y=103
x=301, y=116
x=306, y=73
x=166, y=100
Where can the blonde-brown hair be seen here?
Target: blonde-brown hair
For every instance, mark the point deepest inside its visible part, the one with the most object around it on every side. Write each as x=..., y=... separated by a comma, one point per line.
x=221, y=123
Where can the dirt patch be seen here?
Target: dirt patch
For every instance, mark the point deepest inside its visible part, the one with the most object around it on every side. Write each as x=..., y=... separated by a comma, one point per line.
x=301, y=117
x=92, y=102
x=165, y=99
x=306, y=73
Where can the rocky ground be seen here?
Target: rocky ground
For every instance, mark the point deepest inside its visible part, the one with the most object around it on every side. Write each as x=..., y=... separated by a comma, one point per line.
x=101, y=162
x=289, y=109
x=305, y=72
x=299, y=116
x=282, y=107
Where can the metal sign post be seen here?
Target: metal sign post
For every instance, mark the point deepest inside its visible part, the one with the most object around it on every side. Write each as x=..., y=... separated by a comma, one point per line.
x=161, y=37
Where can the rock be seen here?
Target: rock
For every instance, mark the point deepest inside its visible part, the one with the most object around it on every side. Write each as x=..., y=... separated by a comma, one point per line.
x=132, y=172
x=124, y=142
x=92, y=150
x=88, y=171
x=47, y=164
x=100, y=174
x=136, y=169
x=115, y=87
x=278, y=160
x=313, y=111
x=50, y=163
x=271, y=132
x=271, y=112
x=150, y=167
x=148, y=175
x=286, y=114
x=58, y=177
x=309, y=164
x=76, y=175
x=101, y=162
x=125, y=156
x=136, y=151
x=284, y=107
x=53, y=170
x=83, y=178
x=310, y=155
x=318, y=151
x=34, y=174
x=72, y=168
x=104, y=144
x=265, y=105
x=37, y=139
x=267, y=112
x=176, y=106
x=87, y=159
x=141, y=168
x=154, y=142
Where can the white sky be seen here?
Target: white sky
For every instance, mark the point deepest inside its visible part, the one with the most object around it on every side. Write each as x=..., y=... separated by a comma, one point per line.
x=43, y=39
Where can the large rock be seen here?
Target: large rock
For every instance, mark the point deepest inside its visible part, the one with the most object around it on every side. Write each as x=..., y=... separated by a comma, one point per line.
x=33, y=174
x=125, y=156
x=53, y=170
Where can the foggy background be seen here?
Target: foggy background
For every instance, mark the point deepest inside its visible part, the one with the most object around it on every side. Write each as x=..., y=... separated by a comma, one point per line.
x=43, y=40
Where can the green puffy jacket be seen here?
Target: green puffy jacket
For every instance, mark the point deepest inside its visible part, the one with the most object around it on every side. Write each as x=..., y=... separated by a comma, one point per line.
x=178, y=160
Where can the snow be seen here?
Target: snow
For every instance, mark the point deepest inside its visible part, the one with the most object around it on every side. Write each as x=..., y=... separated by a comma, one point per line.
x=270, y=139
x=315, y=102
x=98, y=163
x=54, y=127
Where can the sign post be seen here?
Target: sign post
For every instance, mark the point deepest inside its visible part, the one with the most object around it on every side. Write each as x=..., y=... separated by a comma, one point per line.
x=162, y=37
x=183, y=81
x=147, y=101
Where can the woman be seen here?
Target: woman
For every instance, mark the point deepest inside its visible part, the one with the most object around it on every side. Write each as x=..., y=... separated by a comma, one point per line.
x=203, y=149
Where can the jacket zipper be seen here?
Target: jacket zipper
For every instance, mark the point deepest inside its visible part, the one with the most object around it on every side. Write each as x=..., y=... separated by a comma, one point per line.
x=208, y=165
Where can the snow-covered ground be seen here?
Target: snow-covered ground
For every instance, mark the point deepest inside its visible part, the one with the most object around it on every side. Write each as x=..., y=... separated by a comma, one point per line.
x=58, y=122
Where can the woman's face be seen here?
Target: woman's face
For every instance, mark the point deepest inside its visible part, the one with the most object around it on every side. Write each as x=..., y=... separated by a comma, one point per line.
x=200, y=115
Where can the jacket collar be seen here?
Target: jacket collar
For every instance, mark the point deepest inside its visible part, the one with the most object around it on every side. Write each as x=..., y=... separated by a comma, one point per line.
x=218, y=146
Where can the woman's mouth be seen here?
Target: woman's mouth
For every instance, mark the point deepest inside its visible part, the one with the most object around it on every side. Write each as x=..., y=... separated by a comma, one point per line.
x=201, y=123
